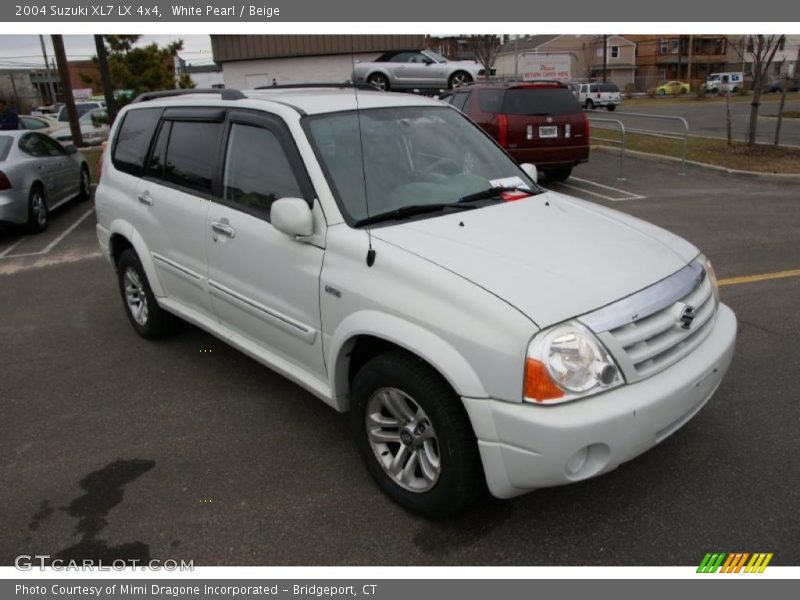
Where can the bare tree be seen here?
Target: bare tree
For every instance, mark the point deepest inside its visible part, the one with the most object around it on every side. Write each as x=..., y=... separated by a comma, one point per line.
x=762, y=49
x=486, y=48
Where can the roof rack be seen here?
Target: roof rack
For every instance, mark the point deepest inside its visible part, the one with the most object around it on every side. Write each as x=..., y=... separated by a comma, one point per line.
x=344, y=84
x=225, y=94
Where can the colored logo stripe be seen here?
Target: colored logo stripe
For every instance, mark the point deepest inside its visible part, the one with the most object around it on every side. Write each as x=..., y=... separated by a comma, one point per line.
x=734, y=562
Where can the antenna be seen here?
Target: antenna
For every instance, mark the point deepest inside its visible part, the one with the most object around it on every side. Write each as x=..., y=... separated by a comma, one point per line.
x=370, y=251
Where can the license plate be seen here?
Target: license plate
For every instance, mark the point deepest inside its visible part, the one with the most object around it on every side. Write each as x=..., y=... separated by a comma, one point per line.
x=548, y=132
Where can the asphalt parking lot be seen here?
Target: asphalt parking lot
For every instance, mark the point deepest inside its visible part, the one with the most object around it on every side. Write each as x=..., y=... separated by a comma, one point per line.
x=115, y=447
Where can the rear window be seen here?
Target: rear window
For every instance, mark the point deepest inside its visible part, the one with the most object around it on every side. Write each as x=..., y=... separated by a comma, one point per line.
x=133, y=140
x=6, y=141
x=541, y=101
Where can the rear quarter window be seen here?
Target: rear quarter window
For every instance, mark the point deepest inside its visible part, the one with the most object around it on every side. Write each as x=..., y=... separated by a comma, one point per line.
x=133, y=140
x=490, y=101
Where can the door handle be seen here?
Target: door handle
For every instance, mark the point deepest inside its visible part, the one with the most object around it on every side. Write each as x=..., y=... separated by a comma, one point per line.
x=223, y=228
x=146, y=198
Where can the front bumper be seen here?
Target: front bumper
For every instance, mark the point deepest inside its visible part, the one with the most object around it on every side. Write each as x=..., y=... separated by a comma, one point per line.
x=524, y=447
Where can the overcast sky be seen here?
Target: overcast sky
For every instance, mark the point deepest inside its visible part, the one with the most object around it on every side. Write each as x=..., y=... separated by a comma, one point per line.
x=26, y=51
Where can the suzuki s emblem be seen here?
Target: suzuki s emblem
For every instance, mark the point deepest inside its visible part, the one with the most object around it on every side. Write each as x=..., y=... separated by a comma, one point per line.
x=686, y=315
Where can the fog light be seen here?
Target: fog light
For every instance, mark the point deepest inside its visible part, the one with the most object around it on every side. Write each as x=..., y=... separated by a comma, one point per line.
x=577, y=461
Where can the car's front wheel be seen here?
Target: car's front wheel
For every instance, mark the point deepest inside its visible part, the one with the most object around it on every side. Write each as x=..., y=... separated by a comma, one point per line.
x=589, y=105
x=458, y=79
x=379, y=81
x=37, y=210
x=414, y=435
x=147, y=317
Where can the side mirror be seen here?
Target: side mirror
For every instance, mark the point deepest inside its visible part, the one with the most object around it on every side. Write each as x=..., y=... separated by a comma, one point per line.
x=70, y=149
x=530, y=171
x=427, y=61
x=292, y=216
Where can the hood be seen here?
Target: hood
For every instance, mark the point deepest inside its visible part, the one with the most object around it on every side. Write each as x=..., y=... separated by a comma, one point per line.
x=551, y=256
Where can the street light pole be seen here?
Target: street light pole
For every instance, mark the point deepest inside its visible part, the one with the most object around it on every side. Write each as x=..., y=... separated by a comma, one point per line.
x=48, y=74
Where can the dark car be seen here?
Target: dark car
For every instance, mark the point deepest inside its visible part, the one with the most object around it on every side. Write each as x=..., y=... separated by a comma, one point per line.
x=777, y=86
x=537, y=122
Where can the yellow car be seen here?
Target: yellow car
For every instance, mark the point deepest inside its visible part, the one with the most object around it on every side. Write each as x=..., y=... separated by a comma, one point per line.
x=673, y=88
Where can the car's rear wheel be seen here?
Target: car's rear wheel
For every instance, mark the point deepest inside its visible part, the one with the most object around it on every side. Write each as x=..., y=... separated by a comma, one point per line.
x=86, y=184
x=414, y=435
x=379, y=81
x=147, y=317
x=589, y=105
x=37, y=210
x=611, y=107
x=561, y=174
x=458, y=79
x=661, y=92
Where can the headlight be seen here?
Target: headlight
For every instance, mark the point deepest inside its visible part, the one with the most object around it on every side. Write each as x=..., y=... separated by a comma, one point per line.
x=567, y=362
x=711, y=274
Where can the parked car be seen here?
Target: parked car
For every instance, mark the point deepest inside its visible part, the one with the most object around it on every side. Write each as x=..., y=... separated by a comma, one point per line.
x=39, y=123
x=384, y=253
x=537, y=122
x=776, y=86
x=94, y=128
x=37, y=175
x=673, y=88
x=594, y=95
x=81, y=107
x=416, y=69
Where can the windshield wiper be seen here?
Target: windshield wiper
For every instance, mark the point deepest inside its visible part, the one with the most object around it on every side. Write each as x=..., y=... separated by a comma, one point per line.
x=494, y=192
x=410, y=211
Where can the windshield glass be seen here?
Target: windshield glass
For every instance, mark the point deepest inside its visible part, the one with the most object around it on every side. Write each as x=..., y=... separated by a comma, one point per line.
x=435, y=56
x=81, y=109
x=411, y=156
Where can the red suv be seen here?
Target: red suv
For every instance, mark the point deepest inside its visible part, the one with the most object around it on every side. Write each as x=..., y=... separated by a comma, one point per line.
x=537, y=122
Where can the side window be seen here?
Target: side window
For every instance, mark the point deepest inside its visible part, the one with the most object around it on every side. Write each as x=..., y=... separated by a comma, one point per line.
x=402, y=57
x=190, y=159
x=133, y=140
x=490, y=101
x=257, y=171
x=31, y=123
x=51, y=147
x=460, y=100
x=31, y=145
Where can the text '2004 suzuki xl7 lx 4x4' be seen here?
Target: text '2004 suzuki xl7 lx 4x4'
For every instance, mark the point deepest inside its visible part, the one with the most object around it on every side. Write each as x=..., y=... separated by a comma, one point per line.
x=386, y=254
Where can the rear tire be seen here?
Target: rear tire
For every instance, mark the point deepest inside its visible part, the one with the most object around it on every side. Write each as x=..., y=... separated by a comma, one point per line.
x=86, y=185
x=458, y=79
x=561, y=174
x=147, y=317
x=38, y=218
x=379, y=81
x=611, y=107
x=414, y=436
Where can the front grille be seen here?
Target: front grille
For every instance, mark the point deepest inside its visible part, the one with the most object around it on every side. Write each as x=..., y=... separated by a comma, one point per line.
x=644, y=345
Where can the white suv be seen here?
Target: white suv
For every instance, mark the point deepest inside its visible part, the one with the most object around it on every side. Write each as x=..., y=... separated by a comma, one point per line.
x=384, y=253
x=594, y=95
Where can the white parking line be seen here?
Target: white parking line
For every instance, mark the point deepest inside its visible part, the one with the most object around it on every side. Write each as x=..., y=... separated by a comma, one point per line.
x=52, y=244
x=11, y=247
x=626, y=195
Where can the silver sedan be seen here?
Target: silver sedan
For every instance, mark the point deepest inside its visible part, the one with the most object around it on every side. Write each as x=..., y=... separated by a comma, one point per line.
x=37, y=174
x=413, y=69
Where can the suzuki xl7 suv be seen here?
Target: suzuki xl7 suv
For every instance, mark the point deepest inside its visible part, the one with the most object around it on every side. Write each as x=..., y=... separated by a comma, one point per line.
x=386, y=254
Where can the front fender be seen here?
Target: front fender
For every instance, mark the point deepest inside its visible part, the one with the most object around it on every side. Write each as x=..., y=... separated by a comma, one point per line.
x=435, y=351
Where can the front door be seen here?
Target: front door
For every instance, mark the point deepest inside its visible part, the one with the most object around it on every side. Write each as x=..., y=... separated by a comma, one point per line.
x=264, y=285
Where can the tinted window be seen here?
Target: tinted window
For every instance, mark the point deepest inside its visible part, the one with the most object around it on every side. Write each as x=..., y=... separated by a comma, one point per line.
x=6, y=141
x=51, y=147
x=542, y=101
x=607, y=87
x=490, y=100
x=191, y=154
x=133, y=140
x=257, y=170
x=32, y=145
x=459, y=100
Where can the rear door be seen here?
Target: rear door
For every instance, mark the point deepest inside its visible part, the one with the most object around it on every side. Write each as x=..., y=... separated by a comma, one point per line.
x=264, y=285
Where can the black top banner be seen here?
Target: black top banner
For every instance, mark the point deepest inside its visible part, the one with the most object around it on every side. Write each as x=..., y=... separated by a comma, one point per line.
x=206, y=11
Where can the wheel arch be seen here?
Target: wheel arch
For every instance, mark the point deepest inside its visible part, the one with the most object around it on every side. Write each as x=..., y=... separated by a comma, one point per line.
x=123, y=236
x=365, y=334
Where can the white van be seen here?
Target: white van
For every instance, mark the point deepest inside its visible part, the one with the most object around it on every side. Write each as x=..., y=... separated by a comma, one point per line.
x=723, y=82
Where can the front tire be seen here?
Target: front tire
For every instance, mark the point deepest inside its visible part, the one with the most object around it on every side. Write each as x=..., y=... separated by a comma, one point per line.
x=147, y=317
x=458, y=79
x=379, y=81
x=38, y=217
x=414, y=436
x=589, y=105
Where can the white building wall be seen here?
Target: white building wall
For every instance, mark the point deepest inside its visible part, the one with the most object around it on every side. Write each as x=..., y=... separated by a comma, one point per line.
x=248, y=74
x=207, y=80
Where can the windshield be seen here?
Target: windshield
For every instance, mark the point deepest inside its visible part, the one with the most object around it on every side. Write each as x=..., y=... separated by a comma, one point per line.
x=435, y=56
x=411, y=156
x=81, y=109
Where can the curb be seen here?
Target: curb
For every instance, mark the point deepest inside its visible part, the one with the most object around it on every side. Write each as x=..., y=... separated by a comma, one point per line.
x=774, y=177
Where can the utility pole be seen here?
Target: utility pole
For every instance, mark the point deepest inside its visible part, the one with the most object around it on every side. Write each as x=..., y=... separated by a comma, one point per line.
x=605, y=56
x=105, y=76
x=50, y=85
x=66, y=86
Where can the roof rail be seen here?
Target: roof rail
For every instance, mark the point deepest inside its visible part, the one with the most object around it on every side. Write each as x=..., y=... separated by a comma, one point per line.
x=344, y=84
x=225, y=94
